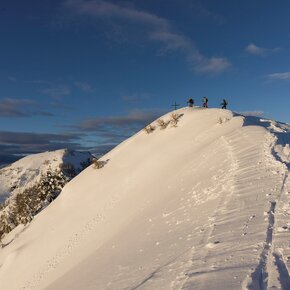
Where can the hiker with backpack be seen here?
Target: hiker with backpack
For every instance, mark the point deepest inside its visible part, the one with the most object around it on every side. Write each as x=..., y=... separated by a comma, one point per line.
x=224, y=104
x=190, y=102
x=205, y=101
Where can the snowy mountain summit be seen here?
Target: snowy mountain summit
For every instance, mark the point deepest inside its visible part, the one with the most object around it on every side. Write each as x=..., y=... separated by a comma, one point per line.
x=200, y=199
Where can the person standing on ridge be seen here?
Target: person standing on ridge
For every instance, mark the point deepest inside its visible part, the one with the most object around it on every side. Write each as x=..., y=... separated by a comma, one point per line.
x=205, y=101
x=190, y=102
x=224, y=104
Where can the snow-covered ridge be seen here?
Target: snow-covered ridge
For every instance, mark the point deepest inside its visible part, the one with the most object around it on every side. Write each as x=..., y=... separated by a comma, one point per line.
x=202, y=204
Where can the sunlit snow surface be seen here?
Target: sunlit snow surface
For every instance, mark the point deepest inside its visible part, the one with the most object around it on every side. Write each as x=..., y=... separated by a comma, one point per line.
x=203, y=205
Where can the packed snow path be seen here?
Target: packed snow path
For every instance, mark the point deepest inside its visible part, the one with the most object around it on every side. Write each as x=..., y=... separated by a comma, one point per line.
x=204, y=205
x=239, y=247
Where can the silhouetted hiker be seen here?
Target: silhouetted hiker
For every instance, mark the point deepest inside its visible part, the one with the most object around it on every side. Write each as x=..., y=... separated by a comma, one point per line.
x=224, y=104
x=205, y=101
x=190, y=102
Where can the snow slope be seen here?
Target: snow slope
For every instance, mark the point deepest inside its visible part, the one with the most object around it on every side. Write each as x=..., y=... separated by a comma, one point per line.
x=204, y=205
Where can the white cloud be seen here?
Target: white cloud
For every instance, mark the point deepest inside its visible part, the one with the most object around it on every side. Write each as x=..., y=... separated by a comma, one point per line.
x=173, y=41
x=136, y=98
x=10, y=107
x=260, y=51
x=57, y=92
x=85, y=87
x=101, y=8
x=285, y=76
x=134, y=117
x=159, y=30
x=12, y=79
x=214, y=65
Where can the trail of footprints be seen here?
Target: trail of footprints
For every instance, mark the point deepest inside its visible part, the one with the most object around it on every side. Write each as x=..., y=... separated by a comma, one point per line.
x=272, y=271
x=64, y=252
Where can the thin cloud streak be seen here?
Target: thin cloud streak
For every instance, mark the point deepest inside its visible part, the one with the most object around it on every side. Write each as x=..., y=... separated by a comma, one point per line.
x=85, y=87
x=10, y=108
x=24, y=138
x=108, y=132
x=57, y=92
x=101, y=8
x=112, y=130
x=136, y=98
x=214, y=65
x=260, y=51
x=284, y=76
x=13, y=108
x=135, y=119
x=14, y=145
x=159, y=30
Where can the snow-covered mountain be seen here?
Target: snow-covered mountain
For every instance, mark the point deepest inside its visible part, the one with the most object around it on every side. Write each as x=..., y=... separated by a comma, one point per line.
x=26, y=172
x=47, y=172
x=202, y=202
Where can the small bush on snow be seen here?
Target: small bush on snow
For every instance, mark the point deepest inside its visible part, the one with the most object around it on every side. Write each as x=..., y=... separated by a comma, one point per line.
x=97, y=164
x=222, y=120
x=174, y=119
x=162, y=124
x=149, y=129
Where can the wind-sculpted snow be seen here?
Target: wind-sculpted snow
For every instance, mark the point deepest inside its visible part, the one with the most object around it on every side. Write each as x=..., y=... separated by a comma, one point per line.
x=202, y=204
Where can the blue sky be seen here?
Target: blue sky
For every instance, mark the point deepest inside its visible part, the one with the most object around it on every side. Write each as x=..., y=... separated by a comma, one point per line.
x=87, y=74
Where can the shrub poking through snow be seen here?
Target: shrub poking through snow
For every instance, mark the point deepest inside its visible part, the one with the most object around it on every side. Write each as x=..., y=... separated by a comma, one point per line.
x=162, y=124
x=97, y=164
x=175, y=119
x=149, y=129
x=222, y=120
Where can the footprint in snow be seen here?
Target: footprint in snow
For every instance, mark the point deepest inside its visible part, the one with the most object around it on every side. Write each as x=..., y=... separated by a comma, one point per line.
x=212, y=245
x=283, y=229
